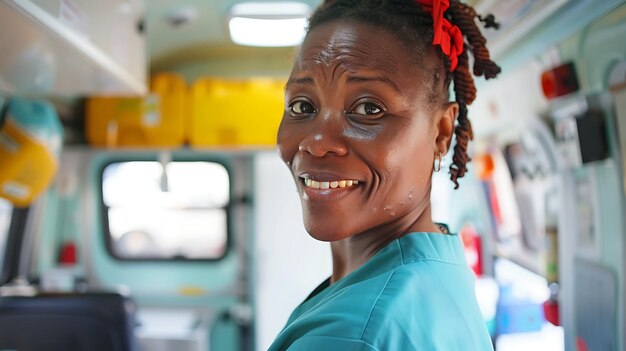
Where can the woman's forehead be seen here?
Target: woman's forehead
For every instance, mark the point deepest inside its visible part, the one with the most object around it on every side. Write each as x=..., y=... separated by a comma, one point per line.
x=352, y=46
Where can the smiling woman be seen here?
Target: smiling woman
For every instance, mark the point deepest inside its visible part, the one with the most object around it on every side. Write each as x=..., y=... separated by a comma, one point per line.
x=367, y=120
x=383, y=107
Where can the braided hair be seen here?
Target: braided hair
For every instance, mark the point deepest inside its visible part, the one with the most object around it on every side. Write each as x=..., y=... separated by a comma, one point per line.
x=414, y=27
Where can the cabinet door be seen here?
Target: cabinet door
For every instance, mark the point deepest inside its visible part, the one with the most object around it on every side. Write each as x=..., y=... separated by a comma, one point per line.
x=67, y=47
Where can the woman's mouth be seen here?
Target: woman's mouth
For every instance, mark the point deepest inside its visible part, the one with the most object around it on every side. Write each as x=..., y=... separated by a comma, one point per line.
x=326, y=186
x=343, y=183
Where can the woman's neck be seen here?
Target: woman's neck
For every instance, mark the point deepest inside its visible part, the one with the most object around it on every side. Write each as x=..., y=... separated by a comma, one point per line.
x=351, y=253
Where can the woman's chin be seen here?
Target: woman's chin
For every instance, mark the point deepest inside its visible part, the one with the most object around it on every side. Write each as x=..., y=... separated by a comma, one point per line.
x=324, y=232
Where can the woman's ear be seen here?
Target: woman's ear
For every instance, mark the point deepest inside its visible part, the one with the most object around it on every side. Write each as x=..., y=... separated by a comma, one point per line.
x=445, y=126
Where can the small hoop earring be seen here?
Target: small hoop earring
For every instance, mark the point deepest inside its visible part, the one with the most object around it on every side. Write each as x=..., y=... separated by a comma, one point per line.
x=438, y=163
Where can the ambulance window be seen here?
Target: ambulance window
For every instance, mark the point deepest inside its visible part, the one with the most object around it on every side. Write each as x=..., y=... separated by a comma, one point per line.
x=174, y=211
x=5, y=221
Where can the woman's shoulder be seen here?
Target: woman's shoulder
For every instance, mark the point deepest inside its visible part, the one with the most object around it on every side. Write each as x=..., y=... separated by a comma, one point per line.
x=339, y=315
x=427, y=305
x=410, y=307
x=423, y=305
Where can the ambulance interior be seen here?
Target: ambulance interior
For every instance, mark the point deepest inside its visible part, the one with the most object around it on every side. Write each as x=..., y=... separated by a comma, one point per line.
x=141, y=189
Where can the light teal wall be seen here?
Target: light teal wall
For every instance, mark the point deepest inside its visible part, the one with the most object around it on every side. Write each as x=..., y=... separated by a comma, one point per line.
x=595, y=50
x=235, y=67
x=593, y=35
x=72, y=211
x=157, y=282
x=57, y=224
x=574, y=17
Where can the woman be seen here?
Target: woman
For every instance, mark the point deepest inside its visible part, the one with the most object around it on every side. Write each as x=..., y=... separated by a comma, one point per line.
x=367, y=120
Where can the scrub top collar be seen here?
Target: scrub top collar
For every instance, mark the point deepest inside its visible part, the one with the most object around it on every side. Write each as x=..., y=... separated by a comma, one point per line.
x=413, y=247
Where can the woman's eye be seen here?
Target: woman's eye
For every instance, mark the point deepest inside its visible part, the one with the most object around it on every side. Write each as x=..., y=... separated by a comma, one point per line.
x=367, y=108
x=302, y=107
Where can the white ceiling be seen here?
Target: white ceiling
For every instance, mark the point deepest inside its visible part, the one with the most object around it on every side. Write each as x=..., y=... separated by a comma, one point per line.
x=203, y=38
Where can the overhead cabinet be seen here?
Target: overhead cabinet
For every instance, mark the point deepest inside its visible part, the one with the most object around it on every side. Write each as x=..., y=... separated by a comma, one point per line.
x=71, y=47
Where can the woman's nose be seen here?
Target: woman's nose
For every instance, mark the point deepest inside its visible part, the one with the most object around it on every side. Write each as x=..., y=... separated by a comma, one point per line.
x=325, y=138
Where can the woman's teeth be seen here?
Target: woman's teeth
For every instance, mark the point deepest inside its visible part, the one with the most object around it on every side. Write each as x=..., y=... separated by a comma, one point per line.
x=330, y=185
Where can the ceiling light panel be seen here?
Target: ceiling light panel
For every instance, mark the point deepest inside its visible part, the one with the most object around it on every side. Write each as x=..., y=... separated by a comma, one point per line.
x=270, y=9
x=268, y=24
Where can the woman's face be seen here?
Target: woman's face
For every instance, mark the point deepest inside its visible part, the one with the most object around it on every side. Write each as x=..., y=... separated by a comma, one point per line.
x=358, y=134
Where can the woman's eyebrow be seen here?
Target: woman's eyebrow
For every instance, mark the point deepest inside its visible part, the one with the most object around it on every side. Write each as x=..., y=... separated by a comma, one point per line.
x=305, y=80
x=383, y=79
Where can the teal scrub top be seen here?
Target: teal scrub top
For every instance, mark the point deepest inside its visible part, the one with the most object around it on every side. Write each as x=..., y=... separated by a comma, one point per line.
x=417, y=293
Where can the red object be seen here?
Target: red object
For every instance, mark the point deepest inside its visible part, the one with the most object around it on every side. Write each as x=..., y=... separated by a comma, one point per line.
x=473, y=249
x=559, y=81
x=67, y=254
x=581, y=345
x=446, y=35
x=551, y=312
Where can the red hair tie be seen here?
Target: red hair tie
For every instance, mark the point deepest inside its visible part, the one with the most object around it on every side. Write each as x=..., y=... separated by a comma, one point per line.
x=447, y=35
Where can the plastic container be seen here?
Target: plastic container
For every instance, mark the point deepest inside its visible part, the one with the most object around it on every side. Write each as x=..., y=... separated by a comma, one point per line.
x=31, y=138
x=155, y=120
x=236, y=113
x=517, y=315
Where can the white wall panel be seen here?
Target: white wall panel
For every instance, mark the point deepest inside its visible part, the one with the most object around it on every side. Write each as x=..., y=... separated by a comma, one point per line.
x=289, y=264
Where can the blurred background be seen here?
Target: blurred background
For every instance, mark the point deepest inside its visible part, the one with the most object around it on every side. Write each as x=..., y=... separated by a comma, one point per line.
x=141, y=192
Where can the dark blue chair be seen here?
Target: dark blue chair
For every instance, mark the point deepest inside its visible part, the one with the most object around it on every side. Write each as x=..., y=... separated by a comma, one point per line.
x=67, y=322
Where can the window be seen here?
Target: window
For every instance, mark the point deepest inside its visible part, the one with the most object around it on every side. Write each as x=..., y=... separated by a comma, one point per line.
x=6, y=210
x=176, y=210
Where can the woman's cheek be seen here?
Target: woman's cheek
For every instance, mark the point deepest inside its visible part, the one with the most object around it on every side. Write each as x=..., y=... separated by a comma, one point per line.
x=283, y=143
x=362, y=134
x=280, y=143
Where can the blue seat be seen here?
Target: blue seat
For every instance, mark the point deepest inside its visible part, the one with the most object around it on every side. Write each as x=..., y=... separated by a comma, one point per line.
x=67, y=322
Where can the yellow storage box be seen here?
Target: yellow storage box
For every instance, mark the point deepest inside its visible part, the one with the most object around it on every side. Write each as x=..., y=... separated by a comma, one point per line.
x=155, y=120
x=31, y=138
x=236, y=113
